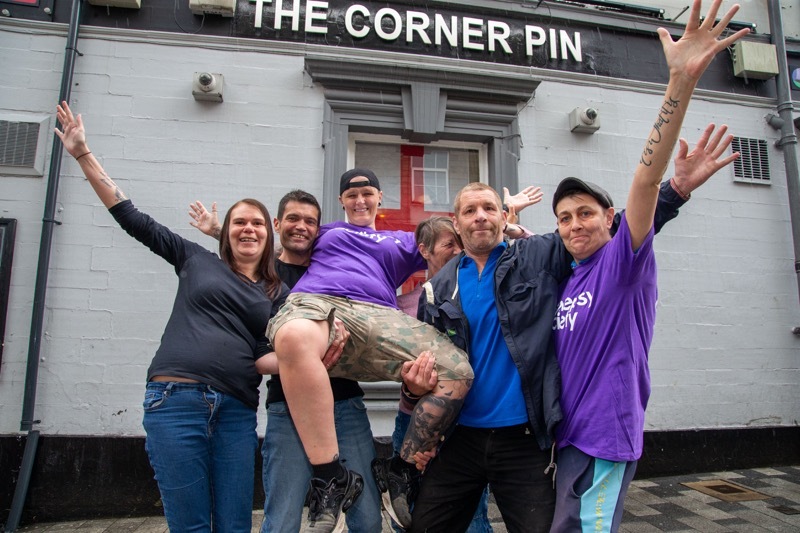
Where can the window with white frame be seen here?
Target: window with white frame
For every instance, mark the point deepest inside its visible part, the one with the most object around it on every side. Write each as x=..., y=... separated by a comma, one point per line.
x=430, y=185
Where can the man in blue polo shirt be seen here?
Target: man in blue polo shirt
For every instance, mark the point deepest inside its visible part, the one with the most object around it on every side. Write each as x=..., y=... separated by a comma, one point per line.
x=498, y=302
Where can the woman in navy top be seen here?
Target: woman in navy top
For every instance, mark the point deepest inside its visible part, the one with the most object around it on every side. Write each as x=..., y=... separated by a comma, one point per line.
x=202, y=391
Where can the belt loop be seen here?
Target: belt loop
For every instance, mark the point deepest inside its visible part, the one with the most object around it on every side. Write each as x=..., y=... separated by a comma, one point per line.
x=168, y=388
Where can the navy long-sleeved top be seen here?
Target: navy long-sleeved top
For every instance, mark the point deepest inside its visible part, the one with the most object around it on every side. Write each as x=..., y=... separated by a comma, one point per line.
x=216, y=329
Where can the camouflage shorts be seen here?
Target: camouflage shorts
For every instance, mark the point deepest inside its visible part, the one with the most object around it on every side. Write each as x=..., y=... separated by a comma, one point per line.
x=381, y=338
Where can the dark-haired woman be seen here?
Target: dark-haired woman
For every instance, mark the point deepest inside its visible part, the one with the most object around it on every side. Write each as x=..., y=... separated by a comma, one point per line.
x=202, y=391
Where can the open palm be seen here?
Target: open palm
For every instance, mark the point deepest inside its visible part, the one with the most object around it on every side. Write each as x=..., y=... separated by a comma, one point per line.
x=693, y=52
x=72, y=134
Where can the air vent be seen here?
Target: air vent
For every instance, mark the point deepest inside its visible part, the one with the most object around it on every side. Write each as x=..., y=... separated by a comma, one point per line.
x=753, y=165
x=22, y=144
x=18, y=143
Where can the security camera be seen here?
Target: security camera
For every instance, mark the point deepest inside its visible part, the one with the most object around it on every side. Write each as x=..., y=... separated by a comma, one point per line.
x=206, y=80
x=589, y=114
x=584, y=120
x=207, y=86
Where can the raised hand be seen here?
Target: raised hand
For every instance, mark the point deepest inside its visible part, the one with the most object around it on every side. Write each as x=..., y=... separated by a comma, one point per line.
x=73, y=136
x=207, y=222
x=687, y=58
x=691, y=54
x=693, y=169
x=528, y=196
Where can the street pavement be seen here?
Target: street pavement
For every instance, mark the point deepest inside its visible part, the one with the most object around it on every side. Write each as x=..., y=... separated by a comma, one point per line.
x=757, y=500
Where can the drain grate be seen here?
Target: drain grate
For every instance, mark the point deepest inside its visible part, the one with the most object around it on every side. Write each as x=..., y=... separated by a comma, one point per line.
x=726, y=491
x=785, y=509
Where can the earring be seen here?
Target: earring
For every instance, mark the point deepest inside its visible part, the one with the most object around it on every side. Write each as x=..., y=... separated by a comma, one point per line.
x=342, y=208
x=379, y=204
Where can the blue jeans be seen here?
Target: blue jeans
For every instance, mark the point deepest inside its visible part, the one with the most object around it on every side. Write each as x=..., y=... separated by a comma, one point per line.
x=480, y=520
x=202, y=446
x=287, y=472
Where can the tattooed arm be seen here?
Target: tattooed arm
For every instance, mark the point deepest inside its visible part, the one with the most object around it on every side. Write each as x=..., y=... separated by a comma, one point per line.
x=687, y=59
x=73, y=137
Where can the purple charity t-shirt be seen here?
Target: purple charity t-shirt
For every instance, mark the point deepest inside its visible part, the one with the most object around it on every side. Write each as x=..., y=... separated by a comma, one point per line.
x=603, y=329
x=361, y=263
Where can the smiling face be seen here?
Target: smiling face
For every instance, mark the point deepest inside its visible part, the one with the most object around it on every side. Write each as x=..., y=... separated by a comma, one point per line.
x=298, y=228
x=584, y=225
x=479, y=220
x=361, y=203
x=247, y=234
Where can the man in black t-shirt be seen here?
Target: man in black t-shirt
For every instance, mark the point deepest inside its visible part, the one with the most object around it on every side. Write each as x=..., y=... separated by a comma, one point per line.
x=286, y=472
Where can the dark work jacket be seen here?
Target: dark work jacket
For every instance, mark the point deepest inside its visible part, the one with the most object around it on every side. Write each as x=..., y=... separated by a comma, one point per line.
x=526, y=284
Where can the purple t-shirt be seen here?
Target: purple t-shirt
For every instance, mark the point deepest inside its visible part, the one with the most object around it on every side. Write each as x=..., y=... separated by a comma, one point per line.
x=603, y=329
x=361, y=263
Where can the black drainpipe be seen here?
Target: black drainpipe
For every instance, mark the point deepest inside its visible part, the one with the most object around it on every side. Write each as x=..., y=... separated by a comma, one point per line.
x=37, y=318
x=788, y=140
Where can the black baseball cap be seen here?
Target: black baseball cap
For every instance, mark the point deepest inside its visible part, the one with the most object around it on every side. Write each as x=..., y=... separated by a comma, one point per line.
x=569, y=186
x=370, y=179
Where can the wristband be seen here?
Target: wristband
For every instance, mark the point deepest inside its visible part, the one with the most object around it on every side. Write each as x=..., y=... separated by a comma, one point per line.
x=87, y=153
x=678, y=190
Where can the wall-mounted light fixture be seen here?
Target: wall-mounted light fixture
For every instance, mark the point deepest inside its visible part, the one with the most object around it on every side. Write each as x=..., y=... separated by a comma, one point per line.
x=584, y=120
x=207, y=86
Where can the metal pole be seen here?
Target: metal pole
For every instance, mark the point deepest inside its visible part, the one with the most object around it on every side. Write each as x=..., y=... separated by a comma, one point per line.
x=40, y=289
x=21, y=489
x=788, y=140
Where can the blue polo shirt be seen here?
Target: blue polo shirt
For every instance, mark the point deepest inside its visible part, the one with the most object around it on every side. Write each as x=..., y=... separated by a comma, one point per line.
x=495, y=399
